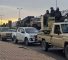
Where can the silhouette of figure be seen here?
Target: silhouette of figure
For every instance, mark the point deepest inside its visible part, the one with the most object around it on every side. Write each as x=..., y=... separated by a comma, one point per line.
x=52, y=12
x=46, y=15
x=58, y=15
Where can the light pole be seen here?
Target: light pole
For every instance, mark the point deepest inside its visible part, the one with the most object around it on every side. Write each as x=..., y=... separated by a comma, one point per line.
x=19, y=13
x=56, y=3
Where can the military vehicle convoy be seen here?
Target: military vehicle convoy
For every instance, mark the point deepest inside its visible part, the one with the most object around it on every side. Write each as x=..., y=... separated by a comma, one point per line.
x=56, y=34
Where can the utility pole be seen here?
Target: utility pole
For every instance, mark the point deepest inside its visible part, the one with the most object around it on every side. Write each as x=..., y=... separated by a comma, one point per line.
x=19, y=13
x=19, y=18
x=56, y=3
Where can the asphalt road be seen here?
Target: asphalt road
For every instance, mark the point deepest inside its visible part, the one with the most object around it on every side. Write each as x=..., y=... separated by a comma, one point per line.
x=52, y=52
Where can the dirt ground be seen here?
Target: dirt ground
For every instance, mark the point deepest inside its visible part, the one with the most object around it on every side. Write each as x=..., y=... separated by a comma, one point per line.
x=9, y=51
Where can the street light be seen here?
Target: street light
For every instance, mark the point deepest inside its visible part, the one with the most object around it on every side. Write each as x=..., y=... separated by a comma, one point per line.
x=19, y=12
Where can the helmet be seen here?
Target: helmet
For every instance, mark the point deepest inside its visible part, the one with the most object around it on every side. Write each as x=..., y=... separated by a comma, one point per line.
x=51, y=8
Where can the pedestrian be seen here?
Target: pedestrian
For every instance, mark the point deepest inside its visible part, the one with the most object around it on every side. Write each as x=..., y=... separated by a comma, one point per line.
x=46, y=15
x=58, y=15
x=52, y=12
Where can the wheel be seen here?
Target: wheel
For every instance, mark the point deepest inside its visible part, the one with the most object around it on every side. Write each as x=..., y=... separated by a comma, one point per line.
x=66, y=52
x=44, y=45
x=26, y=41
x=12, y=39
x=15, y=40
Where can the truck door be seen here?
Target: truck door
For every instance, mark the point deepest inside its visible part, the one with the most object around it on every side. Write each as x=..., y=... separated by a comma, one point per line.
x=22, y=34
x=57, y=37
x=18, y=34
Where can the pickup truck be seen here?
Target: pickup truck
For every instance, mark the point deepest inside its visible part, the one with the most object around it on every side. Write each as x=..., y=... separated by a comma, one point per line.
x=13, y=32
x=26, y=34
x=4, y=33
x=57, y=36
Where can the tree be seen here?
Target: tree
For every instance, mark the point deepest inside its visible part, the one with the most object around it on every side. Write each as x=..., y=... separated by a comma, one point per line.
x=3, y=25
x=10, y=23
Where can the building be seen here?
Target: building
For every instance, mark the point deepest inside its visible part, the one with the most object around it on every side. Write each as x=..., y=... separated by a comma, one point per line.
x=36, y=22
x=26, y=21
x=30, y=21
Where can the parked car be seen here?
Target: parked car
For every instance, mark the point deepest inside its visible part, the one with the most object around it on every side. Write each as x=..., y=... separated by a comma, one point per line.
x=26, y=34
x=13, y=31
x=4, y=33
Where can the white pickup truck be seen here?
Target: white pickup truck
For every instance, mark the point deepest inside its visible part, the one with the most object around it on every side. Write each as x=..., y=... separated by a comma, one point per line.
x=13, y=33
x=5, y=34
x=26, y=34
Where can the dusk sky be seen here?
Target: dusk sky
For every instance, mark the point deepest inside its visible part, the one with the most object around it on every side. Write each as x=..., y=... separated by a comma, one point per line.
x=8, y=8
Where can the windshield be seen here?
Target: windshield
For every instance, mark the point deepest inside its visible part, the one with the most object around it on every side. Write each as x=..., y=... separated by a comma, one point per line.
x=31, y=30
x=64, y=28
x=12, y=30
x=5, y=29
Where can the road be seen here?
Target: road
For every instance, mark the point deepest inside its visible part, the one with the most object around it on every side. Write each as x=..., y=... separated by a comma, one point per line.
x=10, y=51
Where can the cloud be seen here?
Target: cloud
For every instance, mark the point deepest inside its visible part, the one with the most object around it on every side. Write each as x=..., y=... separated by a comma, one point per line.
x=8, y=8
x=12, y=12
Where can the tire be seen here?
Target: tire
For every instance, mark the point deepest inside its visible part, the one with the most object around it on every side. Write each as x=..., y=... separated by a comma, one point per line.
x=26, y=41
x=66, y=51
x=12, y=39
x=44, y=45
x=15, y=40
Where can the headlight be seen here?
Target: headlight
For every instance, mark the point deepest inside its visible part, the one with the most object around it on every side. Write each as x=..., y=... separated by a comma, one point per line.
x=31, y=39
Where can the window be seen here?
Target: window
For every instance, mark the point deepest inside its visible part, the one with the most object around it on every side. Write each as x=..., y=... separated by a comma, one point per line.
x=19, y=30
x=64, y=28
x=57, y=29
x=22, y=30
x=31, y=30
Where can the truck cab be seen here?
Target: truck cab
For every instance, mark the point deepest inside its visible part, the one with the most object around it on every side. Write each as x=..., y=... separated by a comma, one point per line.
x=59, y=34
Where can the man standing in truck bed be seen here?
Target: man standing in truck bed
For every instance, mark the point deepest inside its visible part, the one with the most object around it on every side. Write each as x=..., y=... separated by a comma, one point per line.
x=46, y=15
x=52, y=12
x=58, y=15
